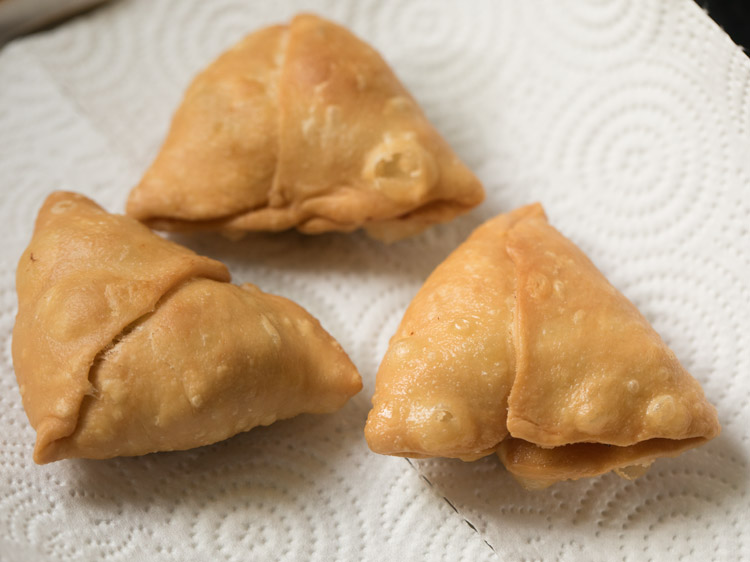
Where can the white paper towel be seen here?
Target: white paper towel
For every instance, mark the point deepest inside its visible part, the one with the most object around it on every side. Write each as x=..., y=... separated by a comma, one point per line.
x=628, y=119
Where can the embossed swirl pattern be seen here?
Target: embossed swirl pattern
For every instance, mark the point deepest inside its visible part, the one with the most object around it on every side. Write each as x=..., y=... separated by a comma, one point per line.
x=628, y=119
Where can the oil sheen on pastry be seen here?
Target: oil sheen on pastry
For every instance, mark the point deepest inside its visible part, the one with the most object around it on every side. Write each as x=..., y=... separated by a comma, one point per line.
x=302, y=126
x=517, y=344
x=126, y=343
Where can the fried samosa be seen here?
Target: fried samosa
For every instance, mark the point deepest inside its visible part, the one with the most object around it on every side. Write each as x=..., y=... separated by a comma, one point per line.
x=516, y=343
x=302, y=126
x=126, y=343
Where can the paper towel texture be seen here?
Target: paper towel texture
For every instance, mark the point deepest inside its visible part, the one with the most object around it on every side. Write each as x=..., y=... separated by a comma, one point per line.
x=628, y=119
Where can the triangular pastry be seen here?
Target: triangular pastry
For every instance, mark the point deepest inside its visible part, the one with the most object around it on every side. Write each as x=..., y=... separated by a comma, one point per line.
x=517, y=343
x=302, y=126
x=126, y=343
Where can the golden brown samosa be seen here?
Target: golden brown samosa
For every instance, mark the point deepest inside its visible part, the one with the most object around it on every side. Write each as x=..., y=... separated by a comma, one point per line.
x=516, y=343
x=126, y=343
x=302, y=126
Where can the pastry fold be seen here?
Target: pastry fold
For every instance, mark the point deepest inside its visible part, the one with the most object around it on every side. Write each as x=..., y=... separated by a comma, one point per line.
x=517, y=343
x=126, y=343
x=302, y=126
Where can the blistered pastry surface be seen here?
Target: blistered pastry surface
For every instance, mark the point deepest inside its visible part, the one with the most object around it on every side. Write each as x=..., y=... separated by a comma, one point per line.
x=590, y=368
x=628, y=119
x=518, y=334
x=213, y=360
x=302, y=126
x=84, y=278
x=442, y=388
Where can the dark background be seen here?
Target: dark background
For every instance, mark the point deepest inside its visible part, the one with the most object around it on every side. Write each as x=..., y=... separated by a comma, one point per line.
x=733, y=16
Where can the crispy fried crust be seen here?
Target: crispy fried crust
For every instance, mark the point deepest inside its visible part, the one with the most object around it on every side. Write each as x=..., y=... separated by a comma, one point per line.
x=126, y=343
x=303, y=126
x=517, y=341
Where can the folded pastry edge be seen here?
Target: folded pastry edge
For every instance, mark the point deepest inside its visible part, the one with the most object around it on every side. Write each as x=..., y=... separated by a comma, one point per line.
x=52, y=429
x=386, y=230
x=536, y=468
